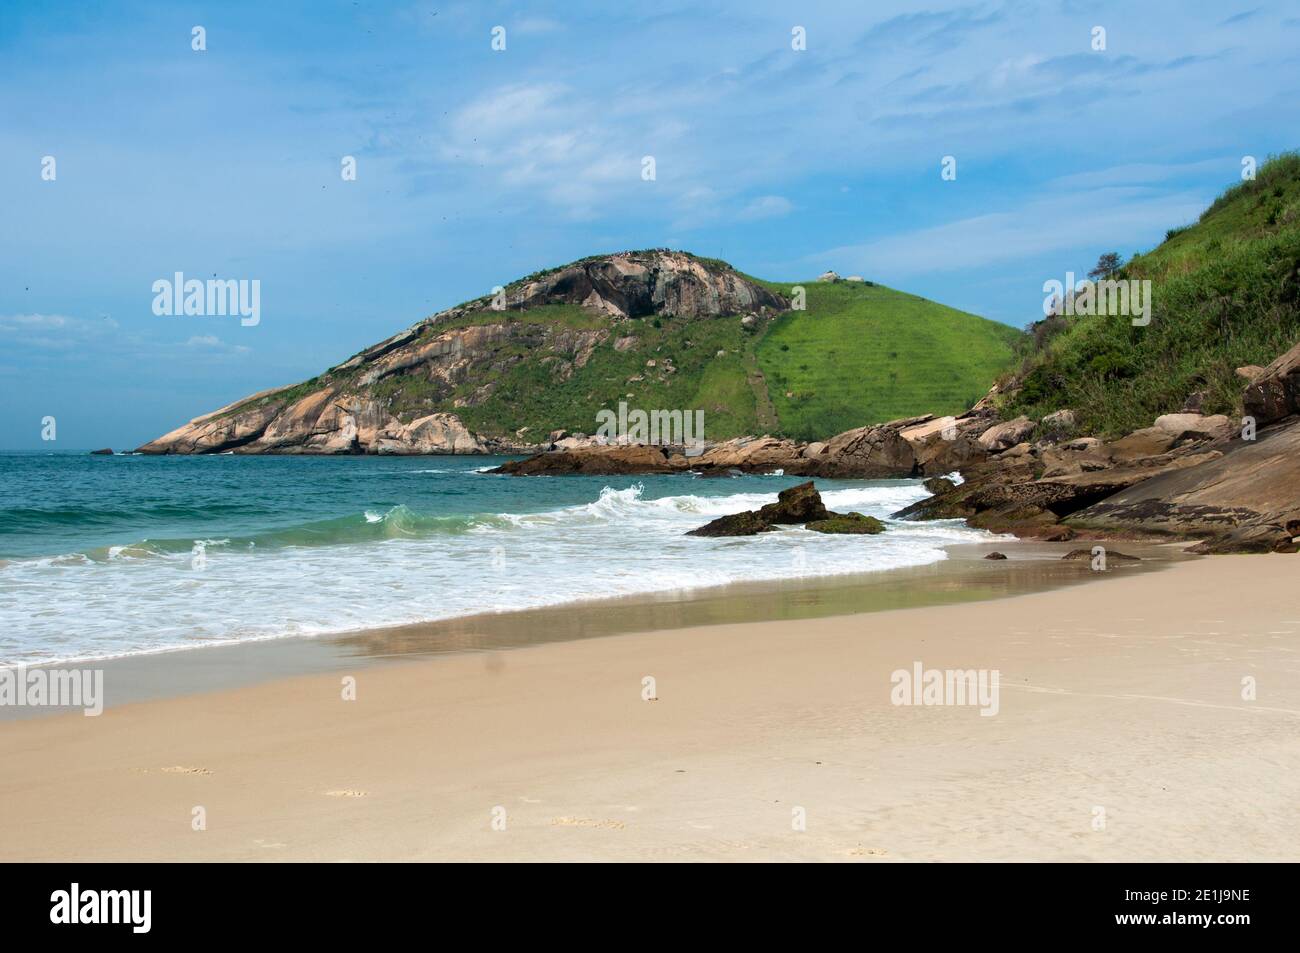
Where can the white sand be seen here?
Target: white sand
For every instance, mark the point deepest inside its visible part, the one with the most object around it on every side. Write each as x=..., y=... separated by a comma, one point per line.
x=1123, y=695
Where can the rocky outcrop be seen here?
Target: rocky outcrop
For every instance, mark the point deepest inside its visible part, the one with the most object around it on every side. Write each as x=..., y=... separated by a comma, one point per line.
x=325, y=423
x=1189, y=475
x=911, y=446
x=636, y=284
x=850, y=524
x=611, y=460
x=1274, y=392
x=402, y=395
x=1186, y=426
x=1110, y=555
x=1030, y=489
x=1246, y=493
x=1006, y=435
x=797, y=505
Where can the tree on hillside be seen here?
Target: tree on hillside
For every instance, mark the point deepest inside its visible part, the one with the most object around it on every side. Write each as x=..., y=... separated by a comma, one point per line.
x=1106, y=266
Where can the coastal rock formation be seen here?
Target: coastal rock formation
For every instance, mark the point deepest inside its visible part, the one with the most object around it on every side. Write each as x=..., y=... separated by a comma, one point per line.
x=911, y=446
x=612, y=460
x=1247, y=492
x=406, y=394
x=323, y=422
x=1189, y=475
x=1111, y=555
x=1274, y=391
x=800, y=504
x=1030, y=488
x=853, y=524
x=639, y=284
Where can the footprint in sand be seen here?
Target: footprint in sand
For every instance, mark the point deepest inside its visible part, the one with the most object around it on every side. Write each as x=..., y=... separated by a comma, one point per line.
x=609, y=825
x=182, y=769
x=347, y=793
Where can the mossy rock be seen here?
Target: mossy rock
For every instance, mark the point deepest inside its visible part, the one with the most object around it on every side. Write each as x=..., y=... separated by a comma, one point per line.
x=854, y=523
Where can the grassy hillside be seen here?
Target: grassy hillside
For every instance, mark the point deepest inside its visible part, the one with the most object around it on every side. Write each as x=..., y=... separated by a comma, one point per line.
x=529, y=394
x=864, y=354
x=1226, y=293
x=859, y=354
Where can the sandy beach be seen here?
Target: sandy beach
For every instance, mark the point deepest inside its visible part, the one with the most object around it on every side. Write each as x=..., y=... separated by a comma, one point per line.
x=1121, y=733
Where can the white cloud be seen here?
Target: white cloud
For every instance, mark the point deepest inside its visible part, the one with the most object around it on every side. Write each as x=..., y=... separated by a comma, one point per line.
x=214, y=344
x=54, y=331
x=766, y=206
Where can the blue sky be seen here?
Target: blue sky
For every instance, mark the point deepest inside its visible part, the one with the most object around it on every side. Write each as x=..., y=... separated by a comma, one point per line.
x=475, y=166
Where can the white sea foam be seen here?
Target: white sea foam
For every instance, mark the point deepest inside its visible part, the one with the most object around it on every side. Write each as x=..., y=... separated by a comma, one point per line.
x=620, y=543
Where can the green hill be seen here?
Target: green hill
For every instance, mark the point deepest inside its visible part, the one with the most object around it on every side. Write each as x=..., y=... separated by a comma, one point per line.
x=859, y=354
x=862, y=353
x=1225, y=292
x=658, y=329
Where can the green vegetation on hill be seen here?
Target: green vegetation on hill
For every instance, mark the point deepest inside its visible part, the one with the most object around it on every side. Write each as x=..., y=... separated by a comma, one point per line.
x=530, y=393
x=859, y=354
x=1226, y=293
x=862, y=354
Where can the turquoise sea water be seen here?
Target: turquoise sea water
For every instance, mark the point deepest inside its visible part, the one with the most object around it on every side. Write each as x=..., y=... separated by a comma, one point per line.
x=111, y=555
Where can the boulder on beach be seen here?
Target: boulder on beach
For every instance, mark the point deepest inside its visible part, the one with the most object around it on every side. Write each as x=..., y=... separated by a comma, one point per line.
x=1111, y=555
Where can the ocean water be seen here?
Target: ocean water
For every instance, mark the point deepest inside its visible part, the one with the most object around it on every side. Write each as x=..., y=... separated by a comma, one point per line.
x=116, y=555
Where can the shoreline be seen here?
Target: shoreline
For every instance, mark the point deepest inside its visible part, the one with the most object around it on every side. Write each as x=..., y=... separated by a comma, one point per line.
x=1122, y=698
x=962, y=576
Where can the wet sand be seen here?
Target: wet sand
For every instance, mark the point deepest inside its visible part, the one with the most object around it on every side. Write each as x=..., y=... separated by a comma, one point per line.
x=1121, y=733
x=965, y=576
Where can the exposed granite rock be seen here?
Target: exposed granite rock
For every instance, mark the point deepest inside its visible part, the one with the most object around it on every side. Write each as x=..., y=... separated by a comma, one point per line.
x=1111, y=556
x=1195, y=426
x=1006, y=435
x=106, y=452
x=797, y=504
x=636, y=284
x=1251, y=482
x=1256, y=538
x=1275, y=392
x=936, y=485
x=748, y=523
x=1060, y=425
x=749, y=454
x=995, y=555
x=800, y=504
x=1028, y=489
x=612, y=460
x=944, y=444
